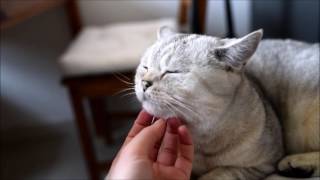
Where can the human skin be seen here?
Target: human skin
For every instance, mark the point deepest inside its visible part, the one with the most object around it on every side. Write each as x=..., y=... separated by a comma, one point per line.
x=159, y=151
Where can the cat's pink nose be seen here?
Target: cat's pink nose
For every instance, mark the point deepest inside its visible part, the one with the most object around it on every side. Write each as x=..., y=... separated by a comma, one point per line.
x=146, y=84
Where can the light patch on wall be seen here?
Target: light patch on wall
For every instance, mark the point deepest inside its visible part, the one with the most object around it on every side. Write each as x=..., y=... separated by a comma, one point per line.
x=31, y=93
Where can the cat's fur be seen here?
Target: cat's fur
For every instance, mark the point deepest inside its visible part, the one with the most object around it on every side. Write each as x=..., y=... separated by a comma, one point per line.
x=288, y=73
x=202, y=79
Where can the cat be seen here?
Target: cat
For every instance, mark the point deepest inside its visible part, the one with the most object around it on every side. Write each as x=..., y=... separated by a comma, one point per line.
x=207, y=82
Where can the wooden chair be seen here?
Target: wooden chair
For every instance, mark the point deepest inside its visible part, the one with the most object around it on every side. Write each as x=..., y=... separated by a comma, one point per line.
x=90, y=73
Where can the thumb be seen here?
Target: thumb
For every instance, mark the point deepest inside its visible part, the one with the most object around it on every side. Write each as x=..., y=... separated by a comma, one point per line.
x=145, y=141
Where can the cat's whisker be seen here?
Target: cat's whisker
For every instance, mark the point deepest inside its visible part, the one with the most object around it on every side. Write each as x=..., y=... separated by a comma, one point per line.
x=124, y=90
x=128, y=94
x=175, y=109
x=170, y=109
x=122, y=80
x=124, y=76
x=184, y=106
x=192, y=112
x=176, y=105
x=163, y=100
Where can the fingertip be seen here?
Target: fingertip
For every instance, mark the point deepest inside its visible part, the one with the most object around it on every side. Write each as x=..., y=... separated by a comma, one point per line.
x=174, y=121
x=184, y=135
x=144, y=118
x=173, y=125
x=159, y=126
x=145, y=113
x=160, y=122
x=149, y=136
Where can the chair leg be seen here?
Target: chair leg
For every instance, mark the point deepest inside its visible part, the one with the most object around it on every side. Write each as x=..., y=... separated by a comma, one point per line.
x=99, y=115
x=84, y=132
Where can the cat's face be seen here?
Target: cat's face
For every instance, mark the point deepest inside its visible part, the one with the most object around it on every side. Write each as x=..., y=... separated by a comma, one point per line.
x=182, y=72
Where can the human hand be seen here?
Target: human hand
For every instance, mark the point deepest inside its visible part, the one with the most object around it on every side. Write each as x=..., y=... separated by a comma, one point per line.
x=161, y=151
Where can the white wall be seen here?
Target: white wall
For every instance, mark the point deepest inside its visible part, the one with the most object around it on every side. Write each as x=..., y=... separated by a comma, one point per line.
x=99, y=12
x=242, y=16
x=216, y=17
x=31, y=93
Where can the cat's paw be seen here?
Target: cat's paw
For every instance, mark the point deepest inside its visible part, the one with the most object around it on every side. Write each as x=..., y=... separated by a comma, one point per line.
x=298, y=165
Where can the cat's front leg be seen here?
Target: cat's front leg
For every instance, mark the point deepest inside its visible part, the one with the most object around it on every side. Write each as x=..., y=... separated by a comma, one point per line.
x=237, y=173
x=305, y=164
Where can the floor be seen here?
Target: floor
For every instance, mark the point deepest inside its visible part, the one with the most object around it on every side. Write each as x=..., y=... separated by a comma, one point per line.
x=52, y=154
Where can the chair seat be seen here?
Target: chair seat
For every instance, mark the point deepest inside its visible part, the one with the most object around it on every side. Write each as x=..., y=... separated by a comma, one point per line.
x=110, y=48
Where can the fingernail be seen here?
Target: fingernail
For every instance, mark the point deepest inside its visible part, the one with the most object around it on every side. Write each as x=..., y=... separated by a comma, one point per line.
x=185, y=135
x=154, y=119
x=159, y=121
x=175, y=122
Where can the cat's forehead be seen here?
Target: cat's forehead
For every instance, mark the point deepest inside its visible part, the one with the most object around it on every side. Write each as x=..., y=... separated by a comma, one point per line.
x=188, y=40
x=180, y=50
x=186, y=45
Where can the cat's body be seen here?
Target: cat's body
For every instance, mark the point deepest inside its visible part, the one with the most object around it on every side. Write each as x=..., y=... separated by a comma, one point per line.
x=288, y=73
x=244, y=142
x=201, y=79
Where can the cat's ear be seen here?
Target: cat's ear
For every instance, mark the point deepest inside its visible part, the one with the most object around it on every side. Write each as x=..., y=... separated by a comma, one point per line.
x=165, y=31
x=237, y=52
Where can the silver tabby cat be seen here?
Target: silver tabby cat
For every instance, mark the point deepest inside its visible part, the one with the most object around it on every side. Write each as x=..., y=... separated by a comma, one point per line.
x=217, y=86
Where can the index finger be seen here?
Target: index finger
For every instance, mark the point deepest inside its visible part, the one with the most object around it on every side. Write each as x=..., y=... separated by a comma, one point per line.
x=169, y=148
x=143, y=120
x=186, y=150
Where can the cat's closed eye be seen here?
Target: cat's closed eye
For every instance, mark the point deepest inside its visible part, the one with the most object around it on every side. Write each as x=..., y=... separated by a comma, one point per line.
x=170, y=72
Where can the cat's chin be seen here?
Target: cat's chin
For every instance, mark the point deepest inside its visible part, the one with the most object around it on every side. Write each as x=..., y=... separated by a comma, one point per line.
x=157, y=111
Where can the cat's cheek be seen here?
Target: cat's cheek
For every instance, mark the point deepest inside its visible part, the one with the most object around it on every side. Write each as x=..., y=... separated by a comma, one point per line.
x=139, y=96
x=157, y=110
x=139, y=93
x=148, y=107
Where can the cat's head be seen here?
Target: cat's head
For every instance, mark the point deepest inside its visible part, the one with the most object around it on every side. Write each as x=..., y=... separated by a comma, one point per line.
x=181, y=73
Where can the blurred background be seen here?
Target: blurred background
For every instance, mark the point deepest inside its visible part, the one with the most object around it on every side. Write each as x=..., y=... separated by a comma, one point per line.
x=64, y=63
